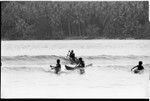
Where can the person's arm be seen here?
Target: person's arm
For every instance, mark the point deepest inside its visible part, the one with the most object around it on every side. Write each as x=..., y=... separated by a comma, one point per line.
x=84, y=66
x=52, y=67
x=84, y=63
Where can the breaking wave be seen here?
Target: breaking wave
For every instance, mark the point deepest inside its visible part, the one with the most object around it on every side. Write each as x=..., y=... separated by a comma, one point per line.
x=49, y=70
x=49, y=57
x=41, y=63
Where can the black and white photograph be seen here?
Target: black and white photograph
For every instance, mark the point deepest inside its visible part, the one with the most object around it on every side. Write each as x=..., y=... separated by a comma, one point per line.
x=75, y=49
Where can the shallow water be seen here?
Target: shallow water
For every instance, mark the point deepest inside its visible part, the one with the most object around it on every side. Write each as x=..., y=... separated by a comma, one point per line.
x=25, y=69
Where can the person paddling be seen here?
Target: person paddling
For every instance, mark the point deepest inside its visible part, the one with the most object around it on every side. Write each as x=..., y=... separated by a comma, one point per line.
x=139, y=67
x=68, y=55
x=81, y=66
x=57, y=67
x=72, y=55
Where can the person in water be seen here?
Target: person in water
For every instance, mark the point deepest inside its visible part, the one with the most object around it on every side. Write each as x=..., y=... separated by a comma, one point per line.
x=81, y=66
x=57, y=67
x=139, y=67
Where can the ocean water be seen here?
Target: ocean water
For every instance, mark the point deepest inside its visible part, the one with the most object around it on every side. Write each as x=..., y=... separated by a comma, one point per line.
x=25, y=71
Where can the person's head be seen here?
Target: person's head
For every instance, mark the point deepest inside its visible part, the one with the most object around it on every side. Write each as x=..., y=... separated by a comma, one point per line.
x=72, y=51
x=140, y=62
x=80, y=59
x=58, y=61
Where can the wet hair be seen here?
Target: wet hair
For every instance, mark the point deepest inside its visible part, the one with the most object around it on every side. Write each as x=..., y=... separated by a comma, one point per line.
x=140, y=62
x=58, y=61
x=80, y=59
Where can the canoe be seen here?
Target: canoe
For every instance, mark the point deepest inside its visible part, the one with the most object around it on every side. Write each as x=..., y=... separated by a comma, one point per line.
x=70, y=67
x=73, y=67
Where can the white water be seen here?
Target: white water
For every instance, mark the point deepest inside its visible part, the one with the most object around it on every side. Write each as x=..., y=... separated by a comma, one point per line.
x=86, y=47
x=26, y=73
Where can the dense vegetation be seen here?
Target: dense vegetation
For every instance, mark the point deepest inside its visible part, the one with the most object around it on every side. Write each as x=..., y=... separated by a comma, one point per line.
x=37, y=20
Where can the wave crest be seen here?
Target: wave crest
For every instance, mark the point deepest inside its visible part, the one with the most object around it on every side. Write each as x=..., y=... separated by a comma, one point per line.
x=49, y=57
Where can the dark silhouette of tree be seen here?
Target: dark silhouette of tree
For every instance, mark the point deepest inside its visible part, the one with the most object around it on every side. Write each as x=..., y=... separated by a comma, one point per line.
x=44, y=20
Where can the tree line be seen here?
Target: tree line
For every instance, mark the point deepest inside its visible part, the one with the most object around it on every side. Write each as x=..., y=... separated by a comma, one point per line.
x=45, y=20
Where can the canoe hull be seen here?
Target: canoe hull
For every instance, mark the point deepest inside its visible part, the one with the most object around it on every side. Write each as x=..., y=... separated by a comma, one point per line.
x=70, y=67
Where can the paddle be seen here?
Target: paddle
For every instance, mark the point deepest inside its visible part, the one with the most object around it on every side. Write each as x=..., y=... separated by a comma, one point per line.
x=89, y=65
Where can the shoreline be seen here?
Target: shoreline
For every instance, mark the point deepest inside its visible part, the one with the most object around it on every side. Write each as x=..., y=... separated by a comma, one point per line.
x=70, y=39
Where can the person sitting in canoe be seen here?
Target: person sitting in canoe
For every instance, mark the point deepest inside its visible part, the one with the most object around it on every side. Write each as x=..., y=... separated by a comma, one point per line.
x=139, y=67
x=68, y=55
x=81, y=66
x=72, y=56
x=57, y=67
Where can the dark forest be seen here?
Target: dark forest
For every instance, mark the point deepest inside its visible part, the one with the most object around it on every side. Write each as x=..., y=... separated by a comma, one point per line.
x=47, y=20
